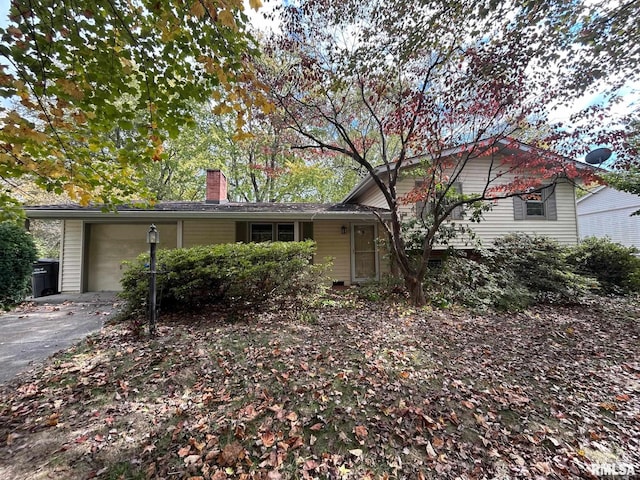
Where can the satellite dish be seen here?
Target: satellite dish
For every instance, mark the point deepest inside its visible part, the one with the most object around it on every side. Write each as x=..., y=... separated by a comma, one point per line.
x=597, y=156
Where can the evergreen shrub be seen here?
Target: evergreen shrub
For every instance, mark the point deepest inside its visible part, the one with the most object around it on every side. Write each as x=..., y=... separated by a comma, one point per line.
x=17, y=254
x=520, y=270
x=616, y=267
x=241, y=275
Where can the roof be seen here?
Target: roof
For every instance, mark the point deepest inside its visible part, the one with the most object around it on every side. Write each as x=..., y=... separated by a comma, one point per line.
x=507, y=143
x=591, y=193
x=178, y=210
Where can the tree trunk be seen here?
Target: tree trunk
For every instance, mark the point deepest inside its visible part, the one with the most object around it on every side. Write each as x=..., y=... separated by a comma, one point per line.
x=416, y=291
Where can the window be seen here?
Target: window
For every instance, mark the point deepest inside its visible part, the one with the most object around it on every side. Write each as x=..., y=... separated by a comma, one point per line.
x=422, y=210
x=285, y=232
x=534, y=205
x=261, y=232
x=269, y=232
x=539, y=204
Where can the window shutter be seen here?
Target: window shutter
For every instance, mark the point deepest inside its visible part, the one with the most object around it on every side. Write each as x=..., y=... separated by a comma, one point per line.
x=549, y=199
x=241, y=232
x=456, y=214
x=519, y=208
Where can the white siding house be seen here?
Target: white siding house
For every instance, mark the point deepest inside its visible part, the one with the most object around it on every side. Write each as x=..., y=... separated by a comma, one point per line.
x=607, y=212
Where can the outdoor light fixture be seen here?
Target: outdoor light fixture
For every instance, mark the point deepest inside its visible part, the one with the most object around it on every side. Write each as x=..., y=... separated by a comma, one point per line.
x=343, y=229
x=153, y=236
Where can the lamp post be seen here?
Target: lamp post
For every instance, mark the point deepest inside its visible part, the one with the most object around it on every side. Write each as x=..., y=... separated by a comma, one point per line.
x=153, y=238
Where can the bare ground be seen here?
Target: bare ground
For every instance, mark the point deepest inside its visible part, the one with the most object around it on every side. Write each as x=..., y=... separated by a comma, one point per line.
x=351, y=389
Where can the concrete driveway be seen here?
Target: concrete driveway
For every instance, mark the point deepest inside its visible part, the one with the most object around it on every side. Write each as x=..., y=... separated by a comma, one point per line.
x=42, y=326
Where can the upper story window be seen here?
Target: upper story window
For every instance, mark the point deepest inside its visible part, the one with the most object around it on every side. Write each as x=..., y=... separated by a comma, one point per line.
x=423, y=208
x=539, y=204
x=535, y=205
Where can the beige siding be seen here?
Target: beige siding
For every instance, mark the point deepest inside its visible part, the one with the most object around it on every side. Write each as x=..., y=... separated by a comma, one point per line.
x=71, y=256
x=109, y=244
x=373, y=198
x=500, y=220
x=332, y=243
x=207, y=232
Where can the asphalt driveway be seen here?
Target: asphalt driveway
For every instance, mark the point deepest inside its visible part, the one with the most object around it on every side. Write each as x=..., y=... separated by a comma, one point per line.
x=42, y=326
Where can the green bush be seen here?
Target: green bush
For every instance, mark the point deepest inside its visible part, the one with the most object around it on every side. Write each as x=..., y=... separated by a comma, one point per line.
x=475, y=284
x=17, y=254
x=616, y=267
x=519, y=271
x=540, y=265
x=236, y=274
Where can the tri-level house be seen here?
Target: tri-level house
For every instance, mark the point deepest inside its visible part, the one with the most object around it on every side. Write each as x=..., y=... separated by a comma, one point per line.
x=94, y=243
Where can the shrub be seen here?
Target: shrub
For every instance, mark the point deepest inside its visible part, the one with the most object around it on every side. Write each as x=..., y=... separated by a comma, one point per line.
x=17, y=254
x=473, y=283
x=540, y=265
x=615, y=266
x=237, y=274
x=520, y=270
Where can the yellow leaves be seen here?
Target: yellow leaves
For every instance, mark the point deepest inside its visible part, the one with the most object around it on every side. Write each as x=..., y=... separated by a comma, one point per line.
x=227, y=19
x=197, y=9
x=70, y=88
x=222, y=109
x=255, y=4
x=53, y=419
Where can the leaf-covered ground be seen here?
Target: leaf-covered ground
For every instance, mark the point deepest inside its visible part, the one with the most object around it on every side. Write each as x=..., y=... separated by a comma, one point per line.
x=351, y=390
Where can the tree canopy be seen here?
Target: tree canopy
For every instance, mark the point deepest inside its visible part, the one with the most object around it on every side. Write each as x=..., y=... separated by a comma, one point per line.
x=93, y=89
x=434, y=86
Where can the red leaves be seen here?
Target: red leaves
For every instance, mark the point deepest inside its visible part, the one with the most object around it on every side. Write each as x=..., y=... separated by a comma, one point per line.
x=361, y=431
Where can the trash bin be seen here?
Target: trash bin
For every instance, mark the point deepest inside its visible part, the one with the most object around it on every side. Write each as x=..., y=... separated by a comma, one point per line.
x=44, y=278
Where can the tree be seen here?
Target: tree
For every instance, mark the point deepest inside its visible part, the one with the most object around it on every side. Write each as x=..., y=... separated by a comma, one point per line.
x=17, y=254
x=627, y=176
x=98, y=86
x=435, y=86
x=259, y=164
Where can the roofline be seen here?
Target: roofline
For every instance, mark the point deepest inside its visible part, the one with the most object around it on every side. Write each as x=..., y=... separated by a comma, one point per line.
x=591, y=193
x=128, y=215
x=365, y=182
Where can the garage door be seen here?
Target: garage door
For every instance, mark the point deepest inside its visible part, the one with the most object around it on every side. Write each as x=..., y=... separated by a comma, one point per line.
x=108, y=245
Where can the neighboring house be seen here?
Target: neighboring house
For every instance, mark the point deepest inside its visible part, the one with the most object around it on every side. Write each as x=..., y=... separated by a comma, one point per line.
x=95, y=243
x=607, y=212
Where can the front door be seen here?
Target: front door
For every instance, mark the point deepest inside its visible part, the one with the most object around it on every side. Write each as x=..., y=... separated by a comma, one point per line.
x=364, y=253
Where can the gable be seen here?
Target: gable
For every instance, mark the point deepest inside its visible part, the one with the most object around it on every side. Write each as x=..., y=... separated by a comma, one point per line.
x=606, y=199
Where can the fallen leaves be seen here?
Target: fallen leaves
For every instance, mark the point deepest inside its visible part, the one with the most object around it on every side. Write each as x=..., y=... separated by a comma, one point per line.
x=360, y=394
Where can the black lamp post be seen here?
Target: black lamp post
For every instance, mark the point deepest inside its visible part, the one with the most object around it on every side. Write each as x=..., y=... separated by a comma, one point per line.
x=153, y=238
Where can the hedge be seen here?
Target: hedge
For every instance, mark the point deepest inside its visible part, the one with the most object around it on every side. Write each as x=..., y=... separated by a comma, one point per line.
x=17, y=254
x=241, y=275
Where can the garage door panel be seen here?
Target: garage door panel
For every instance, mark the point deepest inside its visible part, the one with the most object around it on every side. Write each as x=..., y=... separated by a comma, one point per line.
x=111, y=244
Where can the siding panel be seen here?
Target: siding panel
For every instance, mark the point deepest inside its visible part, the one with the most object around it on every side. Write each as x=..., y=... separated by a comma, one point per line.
x=500, y=220
x=71, y=256
x=207, y=232
x=331, y=243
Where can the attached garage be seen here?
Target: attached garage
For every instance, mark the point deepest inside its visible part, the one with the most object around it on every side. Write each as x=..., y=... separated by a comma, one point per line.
x=109, y=244
x=95, y=243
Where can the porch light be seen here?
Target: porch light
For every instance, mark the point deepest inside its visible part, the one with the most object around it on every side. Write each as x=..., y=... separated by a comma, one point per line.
x=343, y=229
x=153, y=236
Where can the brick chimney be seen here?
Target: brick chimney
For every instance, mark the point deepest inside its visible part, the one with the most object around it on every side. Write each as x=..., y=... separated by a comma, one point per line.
x=216, y=187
